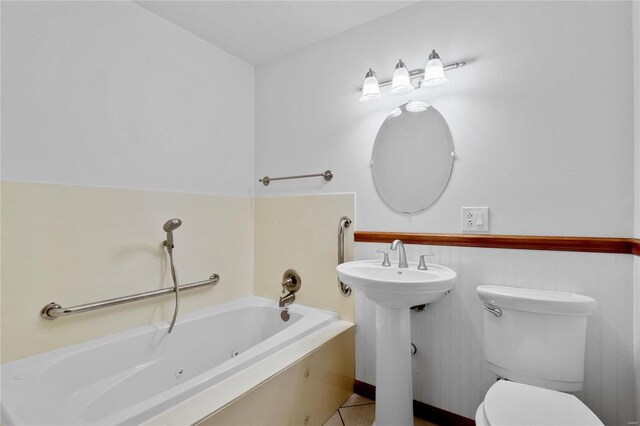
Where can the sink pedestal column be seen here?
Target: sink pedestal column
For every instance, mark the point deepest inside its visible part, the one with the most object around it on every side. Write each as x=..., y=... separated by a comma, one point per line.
x=394, y=394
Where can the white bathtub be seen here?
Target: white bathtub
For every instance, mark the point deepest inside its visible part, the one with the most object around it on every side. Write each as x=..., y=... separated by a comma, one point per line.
x=131, y=377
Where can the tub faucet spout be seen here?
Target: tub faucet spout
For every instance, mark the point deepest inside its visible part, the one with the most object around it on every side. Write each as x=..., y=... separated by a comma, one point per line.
x=286, y=300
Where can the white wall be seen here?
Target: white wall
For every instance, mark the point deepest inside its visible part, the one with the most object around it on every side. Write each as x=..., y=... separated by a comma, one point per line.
x=636, y=115
x=541, y=117
x=541, y=137
x=636, y=263
x=109, y=94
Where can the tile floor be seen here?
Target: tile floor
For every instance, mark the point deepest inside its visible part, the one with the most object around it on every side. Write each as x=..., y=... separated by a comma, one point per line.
x=360, y=411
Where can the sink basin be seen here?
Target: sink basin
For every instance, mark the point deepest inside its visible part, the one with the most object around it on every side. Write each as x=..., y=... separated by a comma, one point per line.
x=394, y=290
x=395, y=287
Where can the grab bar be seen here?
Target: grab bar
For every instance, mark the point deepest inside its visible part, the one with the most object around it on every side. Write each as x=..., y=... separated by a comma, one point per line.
x=53, y=310
x=345, y=222
x=327, y=175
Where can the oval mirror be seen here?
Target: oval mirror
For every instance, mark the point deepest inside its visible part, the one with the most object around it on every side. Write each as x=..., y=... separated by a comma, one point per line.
x=412, y=157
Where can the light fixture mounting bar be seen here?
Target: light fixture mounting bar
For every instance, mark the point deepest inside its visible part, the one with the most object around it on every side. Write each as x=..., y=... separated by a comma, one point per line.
x=419, y=72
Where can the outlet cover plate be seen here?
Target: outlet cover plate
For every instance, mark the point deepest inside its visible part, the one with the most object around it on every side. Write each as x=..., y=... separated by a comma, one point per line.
x=474, y=220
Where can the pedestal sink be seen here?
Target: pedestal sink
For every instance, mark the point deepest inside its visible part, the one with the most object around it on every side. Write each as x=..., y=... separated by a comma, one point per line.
x=394, y=290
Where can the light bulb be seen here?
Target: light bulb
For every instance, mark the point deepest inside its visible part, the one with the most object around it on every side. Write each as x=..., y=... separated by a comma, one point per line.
x=370, y=87
x=417, y=106
x=433, y=72
x=401, y=82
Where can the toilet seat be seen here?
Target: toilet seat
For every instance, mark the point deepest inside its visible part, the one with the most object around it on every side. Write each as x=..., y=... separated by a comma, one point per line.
x=511, y=403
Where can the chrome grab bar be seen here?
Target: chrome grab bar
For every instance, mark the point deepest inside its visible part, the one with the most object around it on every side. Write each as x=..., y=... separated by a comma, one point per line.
x=53, y=310
x=495, y=311
x=345, y=222
x=327, y=175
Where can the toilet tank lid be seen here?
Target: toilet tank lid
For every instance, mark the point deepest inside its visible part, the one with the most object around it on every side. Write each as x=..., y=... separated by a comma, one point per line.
x=511, y=403
x=540, y=301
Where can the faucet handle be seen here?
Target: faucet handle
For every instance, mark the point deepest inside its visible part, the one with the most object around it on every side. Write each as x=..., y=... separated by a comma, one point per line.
x=385, y=260
x=291, y=281
x=423, y=265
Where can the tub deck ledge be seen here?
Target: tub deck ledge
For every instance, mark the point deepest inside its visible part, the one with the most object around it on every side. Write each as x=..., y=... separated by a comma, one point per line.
x=202, y=405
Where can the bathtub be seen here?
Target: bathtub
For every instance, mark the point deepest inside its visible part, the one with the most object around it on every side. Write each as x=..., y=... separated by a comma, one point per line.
x=134, y=376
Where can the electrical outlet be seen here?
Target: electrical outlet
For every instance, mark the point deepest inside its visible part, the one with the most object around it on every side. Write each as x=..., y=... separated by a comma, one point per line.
x=475, y=219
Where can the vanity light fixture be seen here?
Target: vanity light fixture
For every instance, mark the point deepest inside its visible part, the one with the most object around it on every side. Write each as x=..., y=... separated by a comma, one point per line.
x=370, y=88
x=401, y=83
x=433, y=72
x=405, y=81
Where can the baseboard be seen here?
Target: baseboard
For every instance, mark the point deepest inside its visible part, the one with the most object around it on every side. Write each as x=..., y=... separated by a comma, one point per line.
x=420, y=409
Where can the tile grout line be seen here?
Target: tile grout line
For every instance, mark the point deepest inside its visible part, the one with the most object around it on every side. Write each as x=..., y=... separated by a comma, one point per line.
x=340, y=415
x=358, y=405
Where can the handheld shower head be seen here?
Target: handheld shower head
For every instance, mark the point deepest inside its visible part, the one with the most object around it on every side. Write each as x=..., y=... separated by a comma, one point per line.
x=171, y=225
x=168, y=227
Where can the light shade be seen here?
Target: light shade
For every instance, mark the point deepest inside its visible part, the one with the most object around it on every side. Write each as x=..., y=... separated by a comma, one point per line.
x=370, y=88
x=433, y=72
x=401, y=82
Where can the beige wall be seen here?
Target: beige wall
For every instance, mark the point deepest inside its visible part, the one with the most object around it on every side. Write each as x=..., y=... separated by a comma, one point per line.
x=300, y=232
x=73, y=245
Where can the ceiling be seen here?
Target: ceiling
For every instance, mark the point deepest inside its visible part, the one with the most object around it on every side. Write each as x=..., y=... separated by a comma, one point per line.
x=260, y=31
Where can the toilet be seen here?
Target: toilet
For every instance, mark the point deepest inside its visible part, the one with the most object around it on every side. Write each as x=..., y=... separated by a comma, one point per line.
x=534, y=341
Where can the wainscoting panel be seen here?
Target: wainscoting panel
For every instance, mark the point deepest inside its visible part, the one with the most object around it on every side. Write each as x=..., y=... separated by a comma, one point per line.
x=449, y=371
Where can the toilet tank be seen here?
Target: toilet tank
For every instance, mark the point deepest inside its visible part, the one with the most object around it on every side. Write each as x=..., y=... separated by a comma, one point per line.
x=536, y=337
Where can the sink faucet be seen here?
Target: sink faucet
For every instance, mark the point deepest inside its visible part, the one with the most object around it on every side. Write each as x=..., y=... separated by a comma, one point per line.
x=402, y=255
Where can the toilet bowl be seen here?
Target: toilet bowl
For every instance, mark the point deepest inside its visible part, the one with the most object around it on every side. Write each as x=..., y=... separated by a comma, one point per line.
x=534, y=341
x=513, y=404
